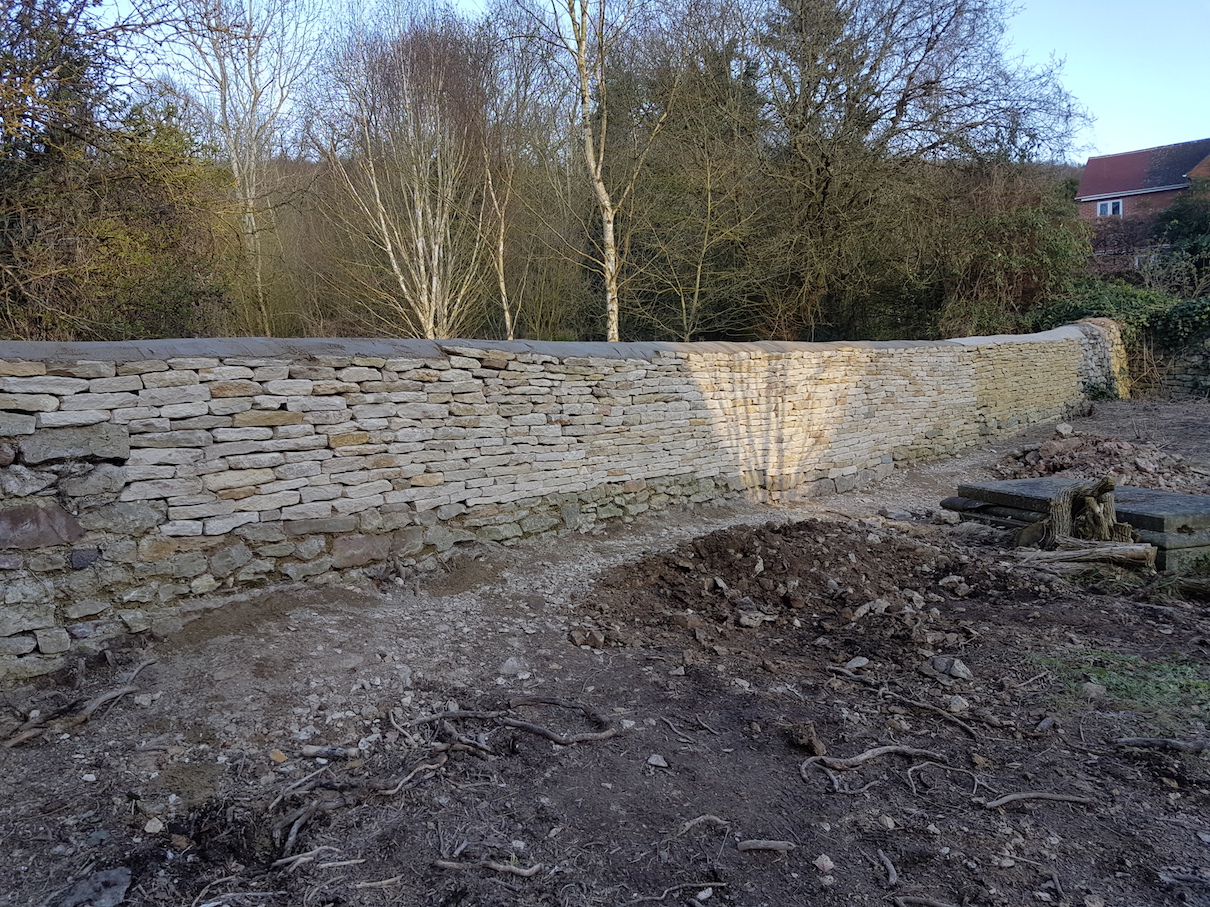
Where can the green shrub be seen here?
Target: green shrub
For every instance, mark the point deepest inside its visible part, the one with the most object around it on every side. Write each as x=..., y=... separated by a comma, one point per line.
x=1186, y=322
x=1137, y=310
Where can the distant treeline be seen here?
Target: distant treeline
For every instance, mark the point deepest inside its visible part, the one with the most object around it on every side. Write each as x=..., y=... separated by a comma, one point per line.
x=592, y=169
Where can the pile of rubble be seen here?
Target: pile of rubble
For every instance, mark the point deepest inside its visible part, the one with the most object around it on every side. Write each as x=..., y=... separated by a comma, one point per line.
x=1082, y=456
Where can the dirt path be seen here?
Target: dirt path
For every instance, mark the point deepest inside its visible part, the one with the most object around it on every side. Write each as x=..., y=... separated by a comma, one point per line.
x=728, y=654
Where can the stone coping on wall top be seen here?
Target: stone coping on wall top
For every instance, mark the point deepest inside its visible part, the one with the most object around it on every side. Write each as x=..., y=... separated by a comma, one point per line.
x=307, y=348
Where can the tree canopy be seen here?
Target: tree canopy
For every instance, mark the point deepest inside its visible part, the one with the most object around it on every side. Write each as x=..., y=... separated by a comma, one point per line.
x=639, y=169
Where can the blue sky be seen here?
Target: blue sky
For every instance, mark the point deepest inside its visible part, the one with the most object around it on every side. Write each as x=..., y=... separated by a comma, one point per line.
x=1142, y=69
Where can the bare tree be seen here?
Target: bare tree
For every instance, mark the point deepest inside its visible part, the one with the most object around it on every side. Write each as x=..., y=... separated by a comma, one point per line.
x=244, y=64
x=589, y=36
x=402, y=148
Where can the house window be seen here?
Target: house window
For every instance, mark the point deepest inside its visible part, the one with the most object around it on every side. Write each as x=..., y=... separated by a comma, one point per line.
x=1110, y=208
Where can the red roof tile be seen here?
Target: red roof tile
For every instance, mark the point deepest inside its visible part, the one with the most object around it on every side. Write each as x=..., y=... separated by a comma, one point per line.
x=1140, y=171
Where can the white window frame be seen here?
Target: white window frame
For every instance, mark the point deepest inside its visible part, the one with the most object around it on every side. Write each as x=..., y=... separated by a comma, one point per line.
x=1106, y=208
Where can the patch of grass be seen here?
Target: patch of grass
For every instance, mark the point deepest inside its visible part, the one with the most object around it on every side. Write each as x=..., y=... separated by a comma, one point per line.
x=1138, y=684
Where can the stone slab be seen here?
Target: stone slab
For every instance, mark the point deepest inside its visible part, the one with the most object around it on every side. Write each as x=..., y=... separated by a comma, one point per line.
x=28, y=526
x=101, y=442
x=1142, y=508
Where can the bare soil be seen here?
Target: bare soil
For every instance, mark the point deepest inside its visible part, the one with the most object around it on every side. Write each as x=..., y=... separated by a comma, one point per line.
x=741, y=672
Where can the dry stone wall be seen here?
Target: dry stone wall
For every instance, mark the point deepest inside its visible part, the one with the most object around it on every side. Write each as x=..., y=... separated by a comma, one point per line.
x=142, y=481
x=1187, y=371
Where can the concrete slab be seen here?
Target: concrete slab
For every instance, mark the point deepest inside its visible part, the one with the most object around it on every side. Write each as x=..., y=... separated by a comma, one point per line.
x=1143, y=508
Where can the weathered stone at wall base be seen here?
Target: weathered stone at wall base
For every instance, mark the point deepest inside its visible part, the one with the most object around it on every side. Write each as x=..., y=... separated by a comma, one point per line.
x=83, y=557
x=359, y=550
x=14, y=670
x=52, y=640
x=14, y=424
x=18, y=617
x=17, y=645
x=28, y=526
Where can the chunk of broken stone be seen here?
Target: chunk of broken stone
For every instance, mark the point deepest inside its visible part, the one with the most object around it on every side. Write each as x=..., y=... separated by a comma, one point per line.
x=106, y=888
x=950, y=666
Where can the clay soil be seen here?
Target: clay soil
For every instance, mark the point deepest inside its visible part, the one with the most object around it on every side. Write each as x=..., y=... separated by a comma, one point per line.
x=827, y=704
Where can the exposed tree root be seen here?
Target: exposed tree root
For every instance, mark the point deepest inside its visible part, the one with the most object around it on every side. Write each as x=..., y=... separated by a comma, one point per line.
x=1034, y=795
x=62, y=721
x=1166, y=743
x=758, y=844
x=524, y=872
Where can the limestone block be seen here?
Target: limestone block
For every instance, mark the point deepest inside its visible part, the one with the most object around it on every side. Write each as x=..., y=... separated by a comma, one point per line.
x=150, y=456
x=235, y=388
x=87, y=608
x=316, y=404
x=166, y=396
x=136, y=621
x=21, y=368
x=315, y=510
x=227, y=560
x=333, y=525
x=16, y=645
x=155, y=425
x=78, y=417
x=52, y=640
x=123, y=518
x=314, y=492
x=93, y=400
x=129, y=415
x=348, y=439
x=227, y=406
x=256, y=460
x=181, y=528
x=237, y=478
x=283, y=485
x=29, y=403
x=301, y=570
x=290, y=387
x=19, y=616
x=357, y=374
x=44, y=384
x=193, y=363
x=187, y=438
x=123, y=384
x=266, y=417
x=198, y=415
x=304, y=469
x=102, y=479
x=225, y=373
x=13, y=425
x=310, y=442
x=20, y=481
x=225, y=436
x=161, y=488
x=263, y=502
x=359, y=550
x=170, y=379
x=313, y=372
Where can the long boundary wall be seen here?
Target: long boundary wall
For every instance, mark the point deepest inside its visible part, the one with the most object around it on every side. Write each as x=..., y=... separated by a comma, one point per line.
x=142, y=481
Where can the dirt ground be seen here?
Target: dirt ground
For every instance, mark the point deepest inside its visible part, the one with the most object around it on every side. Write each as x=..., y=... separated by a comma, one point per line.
x=836, y=703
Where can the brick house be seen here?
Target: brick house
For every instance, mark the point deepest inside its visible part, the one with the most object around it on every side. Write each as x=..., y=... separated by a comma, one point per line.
x=1122, y=194
x=1138, y=185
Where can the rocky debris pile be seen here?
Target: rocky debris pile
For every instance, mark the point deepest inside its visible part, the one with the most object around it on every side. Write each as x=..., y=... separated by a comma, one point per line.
x=1084, y=456
x=807, y=577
